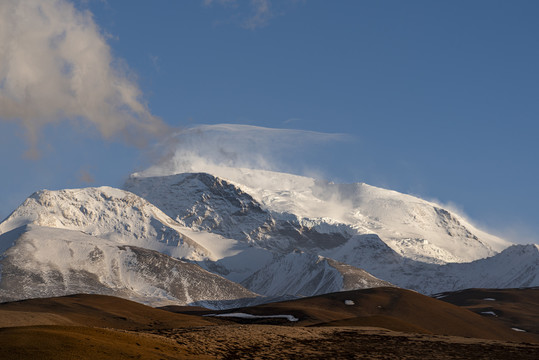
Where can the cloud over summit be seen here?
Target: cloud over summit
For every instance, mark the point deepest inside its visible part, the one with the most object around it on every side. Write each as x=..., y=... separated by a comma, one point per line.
x=56, y=65
x=212, y=148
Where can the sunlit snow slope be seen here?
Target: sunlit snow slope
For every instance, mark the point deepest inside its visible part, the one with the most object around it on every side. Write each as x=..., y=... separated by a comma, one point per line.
x=399, y=238
x=413, y=227
x=108, y=213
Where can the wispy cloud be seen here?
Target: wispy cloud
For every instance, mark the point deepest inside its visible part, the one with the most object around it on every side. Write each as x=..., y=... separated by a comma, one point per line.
x=206, y=148
x=291, y=120
x=85, y=176
x=221, y=2
x=155, y=62
x=55, y=64
x=261, y=14
x=250, y=15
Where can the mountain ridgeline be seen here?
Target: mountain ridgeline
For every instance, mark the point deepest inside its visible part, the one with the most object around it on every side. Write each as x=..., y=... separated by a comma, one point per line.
x=245, y=237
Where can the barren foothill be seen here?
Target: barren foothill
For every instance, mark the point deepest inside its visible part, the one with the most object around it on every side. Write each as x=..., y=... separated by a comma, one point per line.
x=380, y=323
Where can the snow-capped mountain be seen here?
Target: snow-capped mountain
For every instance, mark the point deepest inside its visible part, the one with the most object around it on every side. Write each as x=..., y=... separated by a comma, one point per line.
x=110, y=241
x=107, y=213
x=103, y=240
x=303, y=274
x=195, y=237
x=279, y=210
x=516, y=266
x=396, y=237
x=203, y=202
x=45, y=261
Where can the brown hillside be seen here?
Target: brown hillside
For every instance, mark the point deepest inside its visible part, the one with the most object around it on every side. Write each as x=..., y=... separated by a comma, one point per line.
x=93, y=310
x=327, y=329
x=390, y=308
x=518, y=308
x=61, y=342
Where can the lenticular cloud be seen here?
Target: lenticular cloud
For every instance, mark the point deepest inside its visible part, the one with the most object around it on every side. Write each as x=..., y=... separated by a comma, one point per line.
x=56, y=65
x=211, y=148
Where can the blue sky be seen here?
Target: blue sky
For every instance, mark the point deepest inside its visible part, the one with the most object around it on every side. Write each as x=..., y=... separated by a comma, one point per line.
x=438, y=98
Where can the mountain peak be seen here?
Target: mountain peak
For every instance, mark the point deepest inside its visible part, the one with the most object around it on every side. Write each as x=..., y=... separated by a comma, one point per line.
x=411, y=226
x=107, y=213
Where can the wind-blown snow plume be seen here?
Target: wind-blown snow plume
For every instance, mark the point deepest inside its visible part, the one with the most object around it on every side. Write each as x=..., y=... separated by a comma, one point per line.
x=213, y=148
x=56, y=65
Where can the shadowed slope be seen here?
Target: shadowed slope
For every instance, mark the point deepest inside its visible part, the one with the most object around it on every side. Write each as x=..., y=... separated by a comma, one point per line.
x=517, y=308
x=92, y=310
x=337, y=330
x=391, y=308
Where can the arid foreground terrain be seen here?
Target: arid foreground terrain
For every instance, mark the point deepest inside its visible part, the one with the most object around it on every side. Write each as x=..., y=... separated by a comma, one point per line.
x=381, y=323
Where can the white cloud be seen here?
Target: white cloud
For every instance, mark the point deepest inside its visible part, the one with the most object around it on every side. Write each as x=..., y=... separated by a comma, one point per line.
x=55, y=65
x=206, y=148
